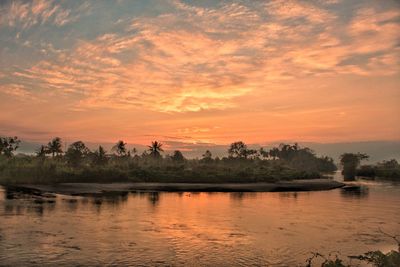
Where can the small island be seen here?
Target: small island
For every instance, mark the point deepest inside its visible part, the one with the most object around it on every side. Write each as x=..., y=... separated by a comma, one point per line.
x=80, y=170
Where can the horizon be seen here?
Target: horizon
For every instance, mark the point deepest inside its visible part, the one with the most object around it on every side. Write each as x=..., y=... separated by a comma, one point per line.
x=200, y=71
x=377, y=150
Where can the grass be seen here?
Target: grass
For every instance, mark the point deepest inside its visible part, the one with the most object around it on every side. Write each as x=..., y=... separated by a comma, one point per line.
x=33, y=170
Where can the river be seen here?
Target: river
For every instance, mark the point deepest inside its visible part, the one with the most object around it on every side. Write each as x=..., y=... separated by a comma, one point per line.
x=197, y=229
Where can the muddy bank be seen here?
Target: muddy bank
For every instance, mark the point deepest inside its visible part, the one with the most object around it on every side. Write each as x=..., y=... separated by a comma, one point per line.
x=98, y=188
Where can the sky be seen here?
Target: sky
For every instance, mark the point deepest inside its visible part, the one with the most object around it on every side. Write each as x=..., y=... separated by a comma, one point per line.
x=200, y=72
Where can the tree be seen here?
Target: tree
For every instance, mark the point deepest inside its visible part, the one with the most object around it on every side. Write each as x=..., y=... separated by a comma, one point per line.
x=54, y=147
x=274, y=153
x=76, y=153
x=155, y=149
x=177, y=156
x=99, y=157
x=250, y=153
x=238, y=150
x=8, y=145
x=41, y=151
x=120, y=148
x=350, y=162
x=264, y=153
x=207, y=157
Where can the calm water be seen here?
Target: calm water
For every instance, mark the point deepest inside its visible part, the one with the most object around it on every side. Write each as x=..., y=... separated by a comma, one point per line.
x=197, y=229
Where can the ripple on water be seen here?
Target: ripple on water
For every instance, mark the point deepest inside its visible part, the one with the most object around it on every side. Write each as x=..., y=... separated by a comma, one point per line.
x=260, y=229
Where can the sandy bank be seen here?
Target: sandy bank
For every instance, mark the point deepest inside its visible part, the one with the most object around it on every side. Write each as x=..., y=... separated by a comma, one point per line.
x=97, y=188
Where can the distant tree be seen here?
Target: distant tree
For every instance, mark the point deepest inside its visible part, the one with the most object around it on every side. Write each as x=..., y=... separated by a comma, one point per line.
x=350, y=162
x=155, y=149
x=54, y=147
x=134, y=151
x=274, y=153
x=177, y=156
x=389, y=164
x=42, y=151
x=120, y=148
x=8, y=145
x=76, y=153
x=263, y=153
x=238, y=150
x=207, y=157
x=250, y=153
x=99, y=157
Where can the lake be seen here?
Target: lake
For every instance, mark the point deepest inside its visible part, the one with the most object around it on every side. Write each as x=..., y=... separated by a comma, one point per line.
x=197, y=229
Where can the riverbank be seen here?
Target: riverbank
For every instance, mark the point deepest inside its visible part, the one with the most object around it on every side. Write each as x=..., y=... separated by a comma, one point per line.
x=105, y=188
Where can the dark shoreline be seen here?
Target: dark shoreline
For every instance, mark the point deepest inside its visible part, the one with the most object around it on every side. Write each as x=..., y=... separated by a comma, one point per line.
x=101, y=188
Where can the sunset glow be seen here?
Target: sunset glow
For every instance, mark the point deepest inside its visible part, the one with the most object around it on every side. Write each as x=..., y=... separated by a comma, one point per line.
x=200, y=71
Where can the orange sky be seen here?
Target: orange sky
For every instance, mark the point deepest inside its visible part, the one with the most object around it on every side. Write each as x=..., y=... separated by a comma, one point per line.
x=200, y=71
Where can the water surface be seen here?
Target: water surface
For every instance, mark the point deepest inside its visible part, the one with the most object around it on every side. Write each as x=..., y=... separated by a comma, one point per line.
x=217, y=229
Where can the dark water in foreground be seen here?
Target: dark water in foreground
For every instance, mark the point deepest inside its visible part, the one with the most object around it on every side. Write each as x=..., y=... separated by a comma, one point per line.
x=192, y=229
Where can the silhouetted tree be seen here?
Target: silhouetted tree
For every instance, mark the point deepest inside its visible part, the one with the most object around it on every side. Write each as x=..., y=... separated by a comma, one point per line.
x=120, y=148
x=264, y=153
x=250, y=153
x=177, y=156
x=207, y=157
x=238, y=150
x=350, y=162
x=76, y=153
x=274, y=153
x=54, y=147
x=42, y=151
x=99, y=157
x=8, y=145
x=155, y=149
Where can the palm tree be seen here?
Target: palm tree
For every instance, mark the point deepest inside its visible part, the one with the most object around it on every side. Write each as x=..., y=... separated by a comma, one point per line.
x=41, y=151
x=155, y=149
x=120, y=148
x=54, y=146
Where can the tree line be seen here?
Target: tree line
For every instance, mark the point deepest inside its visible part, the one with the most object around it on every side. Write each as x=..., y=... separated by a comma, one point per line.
x=242, y=162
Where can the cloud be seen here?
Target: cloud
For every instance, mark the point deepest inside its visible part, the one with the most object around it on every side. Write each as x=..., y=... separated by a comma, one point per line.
x=26, y=14
x=283, y=9
x=194, y=58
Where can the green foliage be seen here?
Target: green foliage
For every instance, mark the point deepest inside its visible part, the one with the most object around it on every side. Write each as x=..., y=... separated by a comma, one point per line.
x=99, y=157
x=350, y=162
x=386, y=169
x=380, y=259
x=80, y=164
x=54, y=147
x=76, y=153
x=375, y=258
x=8, y=145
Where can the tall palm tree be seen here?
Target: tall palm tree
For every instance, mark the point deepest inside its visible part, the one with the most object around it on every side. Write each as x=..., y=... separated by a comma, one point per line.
x=42, y=151
x=120, y=148
x=155, y=149
x=54, y=146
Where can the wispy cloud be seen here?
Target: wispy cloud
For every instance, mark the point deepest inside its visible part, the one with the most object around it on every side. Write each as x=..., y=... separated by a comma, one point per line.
x=27, y=14
x=193, y=59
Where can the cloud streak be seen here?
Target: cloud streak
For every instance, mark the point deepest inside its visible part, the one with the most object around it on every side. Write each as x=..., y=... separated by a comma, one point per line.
x=190, y=59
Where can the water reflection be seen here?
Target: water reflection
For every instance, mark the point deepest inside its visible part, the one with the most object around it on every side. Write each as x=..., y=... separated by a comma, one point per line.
x=355, y=191
x=239, y=196
x=154, y=198
x=180, y=229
